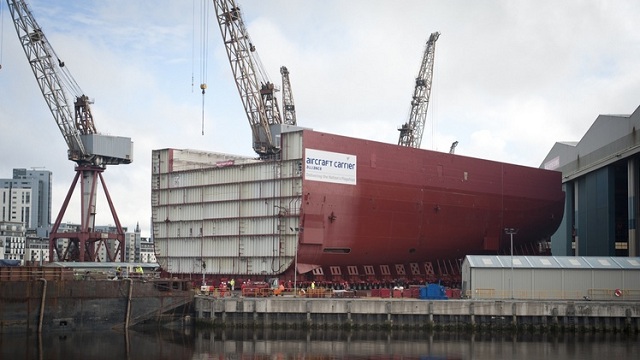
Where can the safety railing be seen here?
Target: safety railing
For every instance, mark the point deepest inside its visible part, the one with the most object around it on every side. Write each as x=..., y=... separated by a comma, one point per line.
x=587, y=294
x=29, y=273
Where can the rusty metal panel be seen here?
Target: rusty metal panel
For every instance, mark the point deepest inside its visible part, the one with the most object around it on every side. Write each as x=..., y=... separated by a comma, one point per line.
x=86, y=304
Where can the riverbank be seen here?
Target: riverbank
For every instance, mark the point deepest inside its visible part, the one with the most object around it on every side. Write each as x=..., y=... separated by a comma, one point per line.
x=417, y=314
x=44, y=299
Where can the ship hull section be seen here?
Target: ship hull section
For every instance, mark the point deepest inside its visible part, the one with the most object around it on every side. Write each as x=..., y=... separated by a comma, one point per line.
x=412, y=205
x=339, y=206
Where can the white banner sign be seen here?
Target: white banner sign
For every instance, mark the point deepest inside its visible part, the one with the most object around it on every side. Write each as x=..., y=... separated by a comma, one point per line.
x=330, y=167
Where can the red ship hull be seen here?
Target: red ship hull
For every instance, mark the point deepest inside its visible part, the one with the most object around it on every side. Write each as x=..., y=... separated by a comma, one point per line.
x=415, y=206
x=342, y=209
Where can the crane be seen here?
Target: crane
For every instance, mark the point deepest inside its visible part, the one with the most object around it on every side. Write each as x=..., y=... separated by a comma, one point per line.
x=452, y=149
x=256, y=91
x=411, y=131
x=90, y=151
x=288, y=106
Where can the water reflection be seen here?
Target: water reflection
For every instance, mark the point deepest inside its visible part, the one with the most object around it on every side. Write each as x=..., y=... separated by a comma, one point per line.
x=71, y=345
x=159, y=344
x=231, y=344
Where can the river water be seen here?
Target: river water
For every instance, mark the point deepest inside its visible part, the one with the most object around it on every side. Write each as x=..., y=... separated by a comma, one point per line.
x=158, y=344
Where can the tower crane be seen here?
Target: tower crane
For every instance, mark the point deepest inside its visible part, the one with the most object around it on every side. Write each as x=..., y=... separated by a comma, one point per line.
x=91, y=151
x=256, y=91
x=288, y=106
x=411, y=131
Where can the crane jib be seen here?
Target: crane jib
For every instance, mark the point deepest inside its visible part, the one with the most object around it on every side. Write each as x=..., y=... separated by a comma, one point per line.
x=56, y=83
x=88, y=149
x=411, y=131
x=254, y=87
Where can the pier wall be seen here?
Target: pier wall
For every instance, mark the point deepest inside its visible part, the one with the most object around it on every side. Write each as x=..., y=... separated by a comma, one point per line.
x=416, y=313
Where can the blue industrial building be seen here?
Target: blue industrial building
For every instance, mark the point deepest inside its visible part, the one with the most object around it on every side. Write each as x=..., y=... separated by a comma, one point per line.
x=600, y=178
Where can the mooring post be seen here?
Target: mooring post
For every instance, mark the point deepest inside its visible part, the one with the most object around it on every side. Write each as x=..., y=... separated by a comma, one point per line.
x=430, y=307
x=387, y=306
x=128, y=311
x=307, y=306
x=472, y=314
x=42, y=303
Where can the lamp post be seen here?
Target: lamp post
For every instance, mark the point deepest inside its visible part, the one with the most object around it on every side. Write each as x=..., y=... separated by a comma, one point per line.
x=295, y=270
x=295, y=264
x=511, y=232
x=204, y=267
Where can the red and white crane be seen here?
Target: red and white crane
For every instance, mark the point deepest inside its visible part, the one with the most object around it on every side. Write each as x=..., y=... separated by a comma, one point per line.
x=411, y=131
x=91, y=151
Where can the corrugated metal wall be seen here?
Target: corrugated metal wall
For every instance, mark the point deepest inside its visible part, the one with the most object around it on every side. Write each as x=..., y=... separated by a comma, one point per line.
x=483, y=281
x=226, y=219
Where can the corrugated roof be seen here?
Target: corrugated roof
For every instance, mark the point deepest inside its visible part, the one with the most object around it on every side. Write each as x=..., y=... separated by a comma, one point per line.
x=553, y=262
x=609, y=138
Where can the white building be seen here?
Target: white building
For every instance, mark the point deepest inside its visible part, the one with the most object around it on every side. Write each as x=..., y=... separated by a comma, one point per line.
x=12, y=240
x=26, y=198
x=37, y=250
x=147, y=251
x=139, y=249
x=130, y=241
x=551, y=277
x=15, y=205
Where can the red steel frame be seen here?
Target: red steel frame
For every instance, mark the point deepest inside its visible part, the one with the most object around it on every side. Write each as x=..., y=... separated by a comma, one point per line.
x=84, y=245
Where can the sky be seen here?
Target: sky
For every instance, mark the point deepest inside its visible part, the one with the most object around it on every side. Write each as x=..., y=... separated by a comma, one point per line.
x=511, y=78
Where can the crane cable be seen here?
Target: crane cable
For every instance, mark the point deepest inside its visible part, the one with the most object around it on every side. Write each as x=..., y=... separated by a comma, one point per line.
x=263, y=76
x=1, y=33
x=193, y=42
x=67, y=80
x=204, y=50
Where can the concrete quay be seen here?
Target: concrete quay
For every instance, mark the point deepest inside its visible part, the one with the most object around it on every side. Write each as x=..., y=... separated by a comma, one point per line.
x=417, y=314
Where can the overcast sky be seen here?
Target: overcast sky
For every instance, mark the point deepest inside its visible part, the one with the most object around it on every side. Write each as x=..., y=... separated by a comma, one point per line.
x=511, y=78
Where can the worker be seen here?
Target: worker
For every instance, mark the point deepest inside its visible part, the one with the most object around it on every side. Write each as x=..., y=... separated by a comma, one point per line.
x=139, y=271
x=118, y=272
x=313, y=285
x=233, y=284
x=278, y=291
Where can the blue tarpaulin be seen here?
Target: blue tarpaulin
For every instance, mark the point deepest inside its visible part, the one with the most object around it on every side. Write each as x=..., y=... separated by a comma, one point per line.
x=5, y=262
x=433, y=292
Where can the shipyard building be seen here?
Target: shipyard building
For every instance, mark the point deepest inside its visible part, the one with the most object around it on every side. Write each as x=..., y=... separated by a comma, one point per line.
x=600, y=176
x=551, y=277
